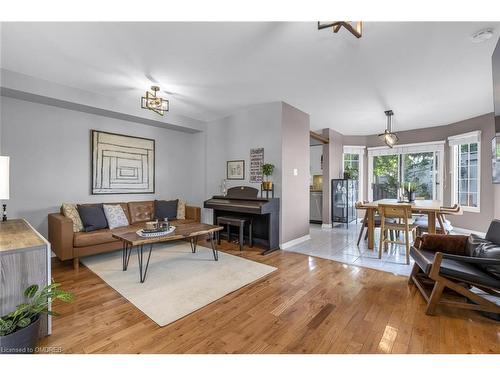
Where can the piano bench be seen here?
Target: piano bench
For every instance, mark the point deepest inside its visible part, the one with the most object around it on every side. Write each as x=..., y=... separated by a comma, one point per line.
x=236, y=221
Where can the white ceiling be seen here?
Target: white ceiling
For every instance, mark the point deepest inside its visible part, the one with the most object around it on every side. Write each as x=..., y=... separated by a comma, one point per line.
x=429, y=73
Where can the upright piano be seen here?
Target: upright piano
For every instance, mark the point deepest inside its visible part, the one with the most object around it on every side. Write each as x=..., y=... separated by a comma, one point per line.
x=243, y=201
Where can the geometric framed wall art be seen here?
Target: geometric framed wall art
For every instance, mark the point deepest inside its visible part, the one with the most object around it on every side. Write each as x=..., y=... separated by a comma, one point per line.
x=122, y=164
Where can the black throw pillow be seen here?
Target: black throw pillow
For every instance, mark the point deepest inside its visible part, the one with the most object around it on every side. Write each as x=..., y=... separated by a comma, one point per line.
x=166, y=209
x=474, y=245
x=482, y=248
x=93, y=217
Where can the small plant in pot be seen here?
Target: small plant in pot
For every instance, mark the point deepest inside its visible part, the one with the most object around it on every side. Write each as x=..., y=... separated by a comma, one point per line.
x=267, y=171
x=19, y=329
x=350, y=173
x=411, y=191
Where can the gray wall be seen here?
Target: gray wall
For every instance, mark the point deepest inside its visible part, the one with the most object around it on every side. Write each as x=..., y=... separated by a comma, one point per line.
x=232, y=137
x=332, y=168
x=469, y=220
x=49, y=148
x=283, y=132
x=295, y=188
x=50, y=159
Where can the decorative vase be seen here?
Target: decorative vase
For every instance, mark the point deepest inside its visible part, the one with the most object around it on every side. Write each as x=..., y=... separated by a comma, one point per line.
x=267, y=185
x=411, y=196
x=223, y=187
x=21, y=342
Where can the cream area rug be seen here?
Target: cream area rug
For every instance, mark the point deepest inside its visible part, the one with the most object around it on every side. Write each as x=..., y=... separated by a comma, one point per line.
x=178, y=282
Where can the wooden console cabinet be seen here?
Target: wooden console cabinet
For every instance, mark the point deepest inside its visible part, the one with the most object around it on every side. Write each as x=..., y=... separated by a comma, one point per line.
x=24, y=260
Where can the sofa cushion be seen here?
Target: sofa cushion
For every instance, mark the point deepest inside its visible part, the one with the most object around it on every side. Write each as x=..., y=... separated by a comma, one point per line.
x=423, y=222
x=454, y=269
x=474, y=243
x=493, y=233
x=84, y=239
x=166, y=209
x=482, y=248
x=92, y=216
x=468, y=272
x=125, y=208
x=141, y=211
x=71, y=212
x=423, y=258
x=115, y=216
x=97, y=237
x=181, y=209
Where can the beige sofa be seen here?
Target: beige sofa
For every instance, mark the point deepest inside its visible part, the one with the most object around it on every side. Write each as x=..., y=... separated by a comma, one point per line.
x=67, y=244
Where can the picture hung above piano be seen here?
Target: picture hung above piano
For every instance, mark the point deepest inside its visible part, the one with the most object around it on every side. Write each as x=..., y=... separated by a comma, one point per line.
x=235, y=170
x=256, y=162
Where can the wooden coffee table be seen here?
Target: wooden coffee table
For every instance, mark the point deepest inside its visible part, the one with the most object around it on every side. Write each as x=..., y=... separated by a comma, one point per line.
x=181, y=232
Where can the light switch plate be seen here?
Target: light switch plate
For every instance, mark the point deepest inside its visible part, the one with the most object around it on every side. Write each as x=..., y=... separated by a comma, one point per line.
x=295, y=172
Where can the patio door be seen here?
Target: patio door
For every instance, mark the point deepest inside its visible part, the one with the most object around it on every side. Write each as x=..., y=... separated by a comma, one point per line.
x=419, y=168
x=390, y=169
x=386, y=176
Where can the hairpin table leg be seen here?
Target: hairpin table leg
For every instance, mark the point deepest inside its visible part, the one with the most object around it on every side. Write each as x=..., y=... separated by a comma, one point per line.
x=214, y=248
x=140, y=253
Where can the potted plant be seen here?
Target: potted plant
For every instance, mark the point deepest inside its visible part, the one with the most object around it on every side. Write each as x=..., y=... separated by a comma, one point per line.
x=19, y=329
x=411, y=189
x=267, y=171
x=350, y=173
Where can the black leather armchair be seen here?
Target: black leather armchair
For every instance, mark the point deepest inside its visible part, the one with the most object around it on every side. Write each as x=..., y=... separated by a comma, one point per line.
x=458, y=263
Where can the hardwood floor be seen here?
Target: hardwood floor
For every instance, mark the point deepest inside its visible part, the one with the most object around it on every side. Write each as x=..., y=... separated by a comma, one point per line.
x=310, y=305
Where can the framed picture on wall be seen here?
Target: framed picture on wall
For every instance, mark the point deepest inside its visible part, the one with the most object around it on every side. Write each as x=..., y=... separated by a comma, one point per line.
x=236, y=170
x=122, y=164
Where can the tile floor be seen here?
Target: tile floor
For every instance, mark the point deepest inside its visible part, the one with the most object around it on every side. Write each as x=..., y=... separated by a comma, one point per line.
x=339, y=244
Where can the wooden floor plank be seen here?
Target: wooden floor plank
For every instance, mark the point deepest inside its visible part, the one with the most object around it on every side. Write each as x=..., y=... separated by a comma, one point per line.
x=309, y=305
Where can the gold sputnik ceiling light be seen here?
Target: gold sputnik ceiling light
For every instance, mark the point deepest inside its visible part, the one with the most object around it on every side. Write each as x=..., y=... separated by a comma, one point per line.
x=154, y=102
x=355, y=28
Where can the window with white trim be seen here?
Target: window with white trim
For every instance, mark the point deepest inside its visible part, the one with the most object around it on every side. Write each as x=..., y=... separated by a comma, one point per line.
x=353, y=157
x=351, y=164
x=466, y=170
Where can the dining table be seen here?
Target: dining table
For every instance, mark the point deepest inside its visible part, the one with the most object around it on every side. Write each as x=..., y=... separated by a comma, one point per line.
x=420, y=206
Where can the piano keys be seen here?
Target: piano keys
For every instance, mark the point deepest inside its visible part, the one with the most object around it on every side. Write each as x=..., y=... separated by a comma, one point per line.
x=243, y=201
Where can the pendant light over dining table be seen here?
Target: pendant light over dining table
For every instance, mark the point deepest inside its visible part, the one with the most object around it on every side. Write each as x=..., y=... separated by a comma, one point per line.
x=389, y=138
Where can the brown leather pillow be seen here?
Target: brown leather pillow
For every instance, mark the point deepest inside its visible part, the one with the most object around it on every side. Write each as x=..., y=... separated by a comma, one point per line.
x=141, y=211
x=444, y=243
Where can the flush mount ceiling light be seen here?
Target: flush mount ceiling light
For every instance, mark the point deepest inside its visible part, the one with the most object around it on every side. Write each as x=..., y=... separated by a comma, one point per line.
x=389, y=138
x=355, y=28
x=153, y=102
x=482, y=35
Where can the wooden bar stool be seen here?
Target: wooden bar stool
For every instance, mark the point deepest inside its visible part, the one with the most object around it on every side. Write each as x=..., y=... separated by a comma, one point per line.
x=239, y=222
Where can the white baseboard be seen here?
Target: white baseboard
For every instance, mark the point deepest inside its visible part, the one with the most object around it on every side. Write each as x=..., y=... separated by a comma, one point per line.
x=326, y=226
x=296, y=241
x=468, y=231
